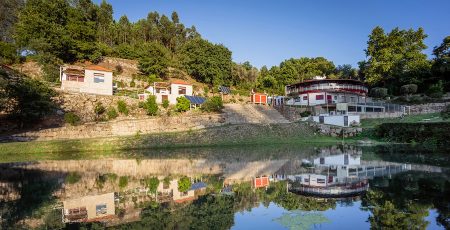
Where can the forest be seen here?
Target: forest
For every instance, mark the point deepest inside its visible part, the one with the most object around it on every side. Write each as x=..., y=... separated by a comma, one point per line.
x=54, y=32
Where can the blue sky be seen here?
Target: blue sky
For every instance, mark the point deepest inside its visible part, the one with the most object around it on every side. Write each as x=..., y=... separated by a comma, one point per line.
x=268, y=32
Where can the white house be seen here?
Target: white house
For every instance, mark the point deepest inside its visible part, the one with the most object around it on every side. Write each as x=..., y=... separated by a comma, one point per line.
x=168, y=91
x=91, y=79
x=89, y=208
x=338, y=120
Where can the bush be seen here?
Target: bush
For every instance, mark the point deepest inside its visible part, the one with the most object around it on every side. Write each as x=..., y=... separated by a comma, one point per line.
x=378, y=92
x=150, y=106
x=141, y=104
x=119, y=69
x=99, y=109
x=112, y=113
x=184, y=184
x=122, y=107
x=72, y=178
x=165, y=103
x=445, y=114
x=408, y=89
x=305, y=114
x=183, y=104
x=432, y=132
x=71, y=118
x=123, y=182
x=436, y=90
x=213, y=104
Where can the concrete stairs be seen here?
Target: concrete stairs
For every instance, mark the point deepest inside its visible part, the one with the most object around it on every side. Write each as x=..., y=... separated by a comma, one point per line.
x=250, y=113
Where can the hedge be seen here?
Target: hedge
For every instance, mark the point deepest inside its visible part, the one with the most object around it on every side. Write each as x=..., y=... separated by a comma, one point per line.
x=435, y=132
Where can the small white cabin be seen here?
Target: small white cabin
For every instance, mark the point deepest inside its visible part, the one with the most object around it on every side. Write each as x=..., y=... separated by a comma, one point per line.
x=338, y=120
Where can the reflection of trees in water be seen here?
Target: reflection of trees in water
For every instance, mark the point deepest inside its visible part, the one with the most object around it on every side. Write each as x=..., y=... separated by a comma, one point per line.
x=403, y=201
x=36, y=195
x=299, y=220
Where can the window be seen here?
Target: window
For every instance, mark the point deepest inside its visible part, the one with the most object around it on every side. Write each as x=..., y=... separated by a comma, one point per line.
x=319, y=97
x=99, y=78
x=321, y=181
x=181, y=90
x=335, y=97
x=305, y=98
x=100, y=209
x=306, y=180
x=322, y=160
x=75, y=78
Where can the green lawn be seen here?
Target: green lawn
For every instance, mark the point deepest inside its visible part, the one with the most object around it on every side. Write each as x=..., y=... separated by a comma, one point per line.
x=431, y=117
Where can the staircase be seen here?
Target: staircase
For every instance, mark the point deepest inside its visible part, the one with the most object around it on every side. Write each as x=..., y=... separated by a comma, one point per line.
x=249, y=113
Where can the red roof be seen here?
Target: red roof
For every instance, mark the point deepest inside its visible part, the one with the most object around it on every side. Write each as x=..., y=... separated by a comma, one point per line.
x=98, y=68
x=180, y=82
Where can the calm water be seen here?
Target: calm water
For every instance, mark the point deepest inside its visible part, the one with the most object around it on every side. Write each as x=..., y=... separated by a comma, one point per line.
x=276, y=187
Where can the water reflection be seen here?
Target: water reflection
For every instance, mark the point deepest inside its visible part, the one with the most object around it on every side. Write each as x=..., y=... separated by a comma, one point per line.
x=210, y=189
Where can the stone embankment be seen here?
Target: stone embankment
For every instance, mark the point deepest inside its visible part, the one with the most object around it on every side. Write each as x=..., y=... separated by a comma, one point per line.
x=336, y=131
x=427, y=108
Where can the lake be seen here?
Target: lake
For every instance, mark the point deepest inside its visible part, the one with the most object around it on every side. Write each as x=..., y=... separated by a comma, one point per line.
x=246, y=187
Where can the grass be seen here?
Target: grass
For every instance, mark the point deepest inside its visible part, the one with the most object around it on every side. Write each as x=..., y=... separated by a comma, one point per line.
x=431, y=117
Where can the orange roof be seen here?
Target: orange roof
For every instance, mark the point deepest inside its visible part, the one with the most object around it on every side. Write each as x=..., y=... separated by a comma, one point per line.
x=180, y=82
x=98, y=68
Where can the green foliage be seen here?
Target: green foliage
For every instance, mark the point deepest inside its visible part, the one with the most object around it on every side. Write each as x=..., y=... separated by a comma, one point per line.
x=8, y=53
x=395, y=58
x=73, y=177
x=378, y=92
x=99, y=110
x=118, y=69
x=153, y=78
x=441, y=64
x=23, y=98
x=150, y=106
x=408, y=89
x=132, y=84
x=436, y=90
x=152, y=184
x=415, y=132
x=156, y=60
x=71, y=118
x=183, y=104
x=184, y=184
x=305, y=114
x=122, y=107
x=123, y=182
x=206, y=62
x=213, y=104
x=445, y=114
x=112, y=113
x=165, y=103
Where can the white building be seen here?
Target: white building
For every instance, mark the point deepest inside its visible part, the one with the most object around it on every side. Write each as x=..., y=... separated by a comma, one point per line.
x=89, y=208
x=168, y=91
x=92, y=79
x=338, y=120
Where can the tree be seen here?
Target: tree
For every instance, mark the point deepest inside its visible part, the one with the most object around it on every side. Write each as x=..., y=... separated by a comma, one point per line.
x=213, y=104
x=150, y=106
x=408, y=89
x=378, y=92
x=346, y=72
x=156, y=60
x=183, y=104
x=184, y=184
x=395, y=58
x=9, y=11
x=441, y=64
x=206, y=62
x=122, y=107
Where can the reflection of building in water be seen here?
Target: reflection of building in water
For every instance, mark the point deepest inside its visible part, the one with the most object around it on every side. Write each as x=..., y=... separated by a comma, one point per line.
x=89, y=208
x=171, y=190
x=340, y=175
x=260, y=182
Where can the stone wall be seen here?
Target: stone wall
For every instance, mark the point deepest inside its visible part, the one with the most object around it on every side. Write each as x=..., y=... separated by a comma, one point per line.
x=427, y=108
x=125, y=127
x=336, y=131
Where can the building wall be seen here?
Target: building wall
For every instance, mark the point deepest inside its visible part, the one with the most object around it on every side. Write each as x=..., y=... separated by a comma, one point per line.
x=90, y=202
x=302, y=99
x=338, y=160
x=337, y=119
x=172, y=95
x=89, y=86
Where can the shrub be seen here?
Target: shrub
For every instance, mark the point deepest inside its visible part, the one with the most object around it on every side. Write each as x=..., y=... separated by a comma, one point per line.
x=73, y=177
x=378, y=92
x=183, y=104
x=132, y=84
x=123, y=181
x=119, y=69
x=150, y=106
x=165, y=103
x=99, y=109
x=408, y=89
x=71, y=118
x=445, y=114
x=152, y=184
x=141, y=104
x=436, y=90
x=122, y=107
x=305, y=114
x=213, y=104
x=184, y=184
x=112, y=113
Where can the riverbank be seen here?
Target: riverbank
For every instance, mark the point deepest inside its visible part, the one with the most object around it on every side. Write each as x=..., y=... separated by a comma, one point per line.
x=227, y=135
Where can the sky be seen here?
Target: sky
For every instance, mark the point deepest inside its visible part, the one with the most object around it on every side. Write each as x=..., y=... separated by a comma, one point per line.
x=267, y=32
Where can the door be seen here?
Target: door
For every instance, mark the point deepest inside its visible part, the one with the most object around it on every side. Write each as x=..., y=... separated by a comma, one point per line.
x=164, y=97
x=321, y=119
x=329, y=99
x=345, y=120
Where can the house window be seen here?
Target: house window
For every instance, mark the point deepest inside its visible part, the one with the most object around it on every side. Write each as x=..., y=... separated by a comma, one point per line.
x=322, y=160
x=100, y=209
x=306, y=180
x=321, y=181
x=335, y=97
x=75, y=78
x=183, y=194
x=305, y=98
x=319, y=97
x=181, y=90
x=99, y=78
